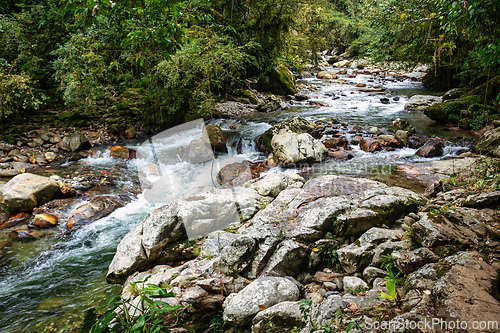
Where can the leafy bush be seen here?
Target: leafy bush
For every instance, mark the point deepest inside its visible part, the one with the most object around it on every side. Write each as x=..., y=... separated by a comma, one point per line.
x=194, y=78
x=150, y=314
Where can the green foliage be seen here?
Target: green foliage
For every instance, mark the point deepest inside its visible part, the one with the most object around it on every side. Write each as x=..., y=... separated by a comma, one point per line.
x=482, y=175
x=150, y=314
x=390, y=283
x=199, y=74
x=4, y=207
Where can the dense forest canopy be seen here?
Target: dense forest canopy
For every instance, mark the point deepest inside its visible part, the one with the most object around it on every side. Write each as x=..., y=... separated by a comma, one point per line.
x=183, y=56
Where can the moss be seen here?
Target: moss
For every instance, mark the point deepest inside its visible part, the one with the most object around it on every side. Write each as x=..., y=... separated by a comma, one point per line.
x=449, y=111
x=490, y=90
x=278, y=80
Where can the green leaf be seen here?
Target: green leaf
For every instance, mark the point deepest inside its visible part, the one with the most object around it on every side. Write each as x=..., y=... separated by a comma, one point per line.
x=349, y=326
x=4, y=207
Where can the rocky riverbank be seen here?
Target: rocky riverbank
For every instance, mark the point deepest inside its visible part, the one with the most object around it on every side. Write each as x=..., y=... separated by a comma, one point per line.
x=275, y=249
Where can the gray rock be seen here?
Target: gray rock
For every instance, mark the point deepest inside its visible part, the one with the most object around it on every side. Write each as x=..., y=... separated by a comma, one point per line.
x=271, y=185
x=78, y=142
x=401, y=125
x=385, y=249
x=490, y=142
x=289, y=148
x=280, y=318
x=96, y=209
x=421, y=102
x=239, y=309
x=480, y=200
x=27, y=191
x=354, y=258
x=288, y=260
x=371, y=273
x=408, y=261
x=354, y=284
x=440, y=231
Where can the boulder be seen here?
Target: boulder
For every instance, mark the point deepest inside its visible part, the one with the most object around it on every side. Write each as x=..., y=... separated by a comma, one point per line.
x=94, y=210
x=234, y=174
x=432, y=148
x=490, y=142
x=334, y=143
x=280, y=318
x=289, y=148
x=26, y=191
x=273, y=183
x=278, y=80
x=421, y=102
x=239, y=309
x=198, y=151
x=408, y=261
x=14, y=220
x=122, y=153
x=388, y=141
x=354, y=284
x=340, y=155
x=130, y=133
x=326, y=75
x=370, y=145
x=297, y=125
x=434, y=230
x=45, y=221
x=217, y=138
x=78, y=142
x=402, y=136
x=25, y=234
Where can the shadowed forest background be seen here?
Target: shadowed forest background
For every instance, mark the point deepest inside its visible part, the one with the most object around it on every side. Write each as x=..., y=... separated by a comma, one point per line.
x=181, y=57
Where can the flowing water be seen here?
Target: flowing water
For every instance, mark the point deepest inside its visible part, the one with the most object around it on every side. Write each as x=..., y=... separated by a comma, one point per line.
x=48, y=284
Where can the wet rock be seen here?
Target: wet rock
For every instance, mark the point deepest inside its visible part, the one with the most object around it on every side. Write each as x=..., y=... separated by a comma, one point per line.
x=64, y=144
x=389, y=141
x=130, y=133
x=421, y=102
x=297, y=125
x=14, y=220
x=356, y=140
x=289, y=148
x=401, y=125
x=402, y=136
x=50, y=156
x=354, y=284
x=4, y=246
x=327, y=75
x=370, y=145
x=278, y=80
x=490, y=142
x=122, y=153
x=385, y=100
x=280, y=318
x=340, y=155
x=96, y=209
x=234, y=174
x=334, y=143
x=217, y=138
x=25, y=234
x=198, y=151
x=432, y=148
x=44, y=221
x=26, y=191
x=79, y=142
x=239, y=309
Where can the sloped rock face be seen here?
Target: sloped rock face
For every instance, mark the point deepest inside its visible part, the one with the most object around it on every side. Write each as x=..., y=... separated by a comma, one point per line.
x=280, y=318
x=240, y=308
x=490, y=142
x=26, y=191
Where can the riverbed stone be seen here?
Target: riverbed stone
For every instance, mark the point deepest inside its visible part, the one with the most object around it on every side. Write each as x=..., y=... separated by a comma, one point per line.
x=26, y=191
x=401, y=125
x=122, y=153
x=45, y=221
x=296, y=125
x=421, y=102
x=278, y=80
x=408, y=261
x=234, y=174
x=354, y=284
x=79, y=141
x=283, y=317
x=198, y=151
x=369, y=145
x=289, y=148
x=94, y=210
x=217, y=138
x=239, y=309
x=432, y=148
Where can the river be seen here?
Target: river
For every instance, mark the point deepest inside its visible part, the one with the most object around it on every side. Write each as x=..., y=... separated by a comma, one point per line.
x=47, y=285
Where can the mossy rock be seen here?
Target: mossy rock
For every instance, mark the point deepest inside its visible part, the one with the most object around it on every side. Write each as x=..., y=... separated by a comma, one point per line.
x=278, y=80
x=133, y=93
x=449, y=111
